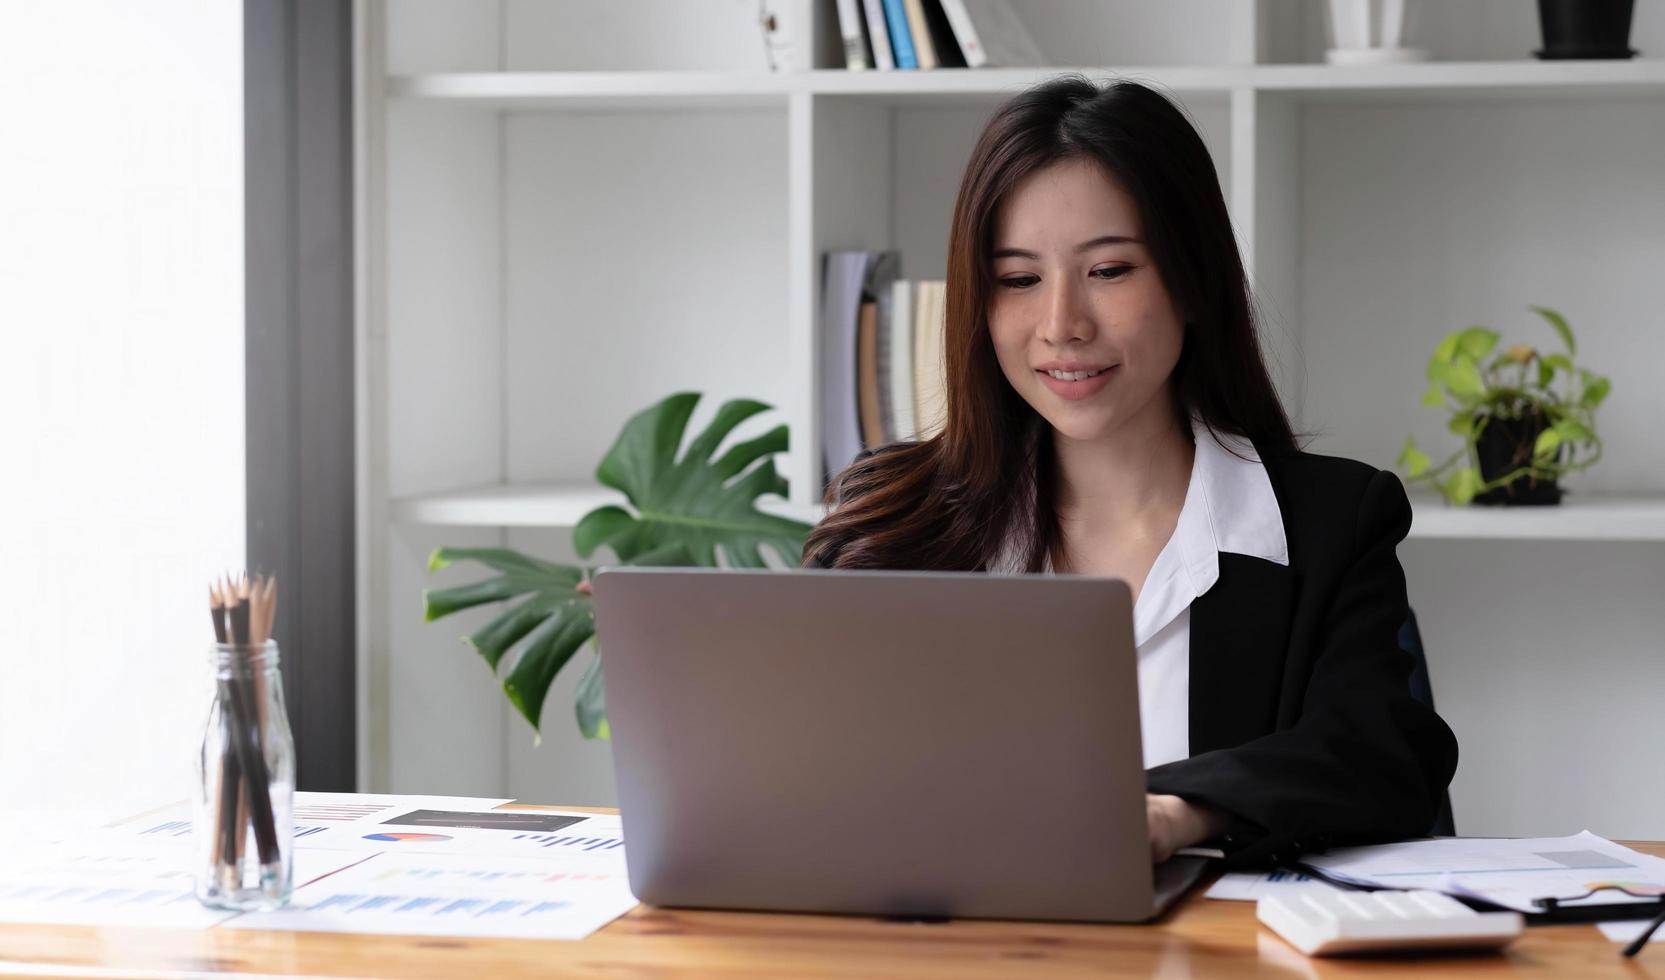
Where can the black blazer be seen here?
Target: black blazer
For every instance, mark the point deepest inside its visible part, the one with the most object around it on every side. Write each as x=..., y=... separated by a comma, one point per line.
x=1302, y=724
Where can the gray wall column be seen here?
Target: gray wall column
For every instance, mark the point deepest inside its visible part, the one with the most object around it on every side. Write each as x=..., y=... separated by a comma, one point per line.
x=299, y=360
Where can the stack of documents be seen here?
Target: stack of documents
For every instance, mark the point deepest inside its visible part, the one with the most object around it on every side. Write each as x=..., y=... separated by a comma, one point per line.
x=1510, y=872
x=413, y=865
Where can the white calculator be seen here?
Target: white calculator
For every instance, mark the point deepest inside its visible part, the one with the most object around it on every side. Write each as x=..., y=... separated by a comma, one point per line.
x=1323, y=922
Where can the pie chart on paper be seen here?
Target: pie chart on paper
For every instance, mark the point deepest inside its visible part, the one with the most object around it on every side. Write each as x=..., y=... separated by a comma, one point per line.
x=407, y=837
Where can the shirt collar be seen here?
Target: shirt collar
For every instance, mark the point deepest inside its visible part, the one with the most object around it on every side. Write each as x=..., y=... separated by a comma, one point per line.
x=1229, y=506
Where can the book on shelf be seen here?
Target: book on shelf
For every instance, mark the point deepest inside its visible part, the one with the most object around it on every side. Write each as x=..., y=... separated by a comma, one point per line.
x=867, y=375
x=843, y=275
x=990, y=34
x=923, y=47
x=881, y=371
x=881, y=282
x=884, y=57
x=851, y=30
x=965, y=33
x=898, y=355
x=910, y=369
x=901, y=38
x=927, y=34
x=929, y=377
x=945, y=45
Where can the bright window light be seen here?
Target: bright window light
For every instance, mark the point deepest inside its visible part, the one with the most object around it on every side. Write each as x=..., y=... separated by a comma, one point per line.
x=121, y=387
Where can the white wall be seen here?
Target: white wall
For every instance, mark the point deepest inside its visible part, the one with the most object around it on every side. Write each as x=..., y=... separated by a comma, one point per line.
x=121, y=387
x=1420, y=219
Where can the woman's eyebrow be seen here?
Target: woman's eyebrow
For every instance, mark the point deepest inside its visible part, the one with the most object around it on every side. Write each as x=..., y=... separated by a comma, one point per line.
x=1018, y=253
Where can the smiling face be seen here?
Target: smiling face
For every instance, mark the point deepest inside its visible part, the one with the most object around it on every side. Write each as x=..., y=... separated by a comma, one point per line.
x=1081, y=321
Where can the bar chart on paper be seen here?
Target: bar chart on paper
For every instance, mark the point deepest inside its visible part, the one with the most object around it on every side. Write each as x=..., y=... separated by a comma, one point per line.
x=107, y=878
x=98, y=884
x=573, y=843
x=459, y=895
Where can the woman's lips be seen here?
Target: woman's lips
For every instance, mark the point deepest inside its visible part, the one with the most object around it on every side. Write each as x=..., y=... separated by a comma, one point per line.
x=1074, y=390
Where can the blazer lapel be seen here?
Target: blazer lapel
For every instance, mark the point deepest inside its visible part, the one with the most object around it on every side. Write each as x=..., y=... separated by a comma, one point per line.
x=1239, y=643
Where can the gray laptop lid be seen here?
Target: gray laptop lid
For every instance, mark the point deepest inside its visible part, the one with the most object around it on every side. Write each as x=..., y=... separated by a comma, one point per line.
x=889, y=743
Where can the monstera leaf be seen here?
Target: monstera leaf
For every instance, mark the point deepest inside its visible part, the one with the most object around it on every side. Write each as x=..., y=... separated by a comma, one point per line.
x=695, y=504
x=685, y=511
x=553, y=619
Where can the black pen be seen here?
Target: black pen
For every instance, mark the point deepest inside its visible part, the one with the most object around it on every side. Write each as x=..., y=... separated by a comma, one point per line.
x=1642, y=940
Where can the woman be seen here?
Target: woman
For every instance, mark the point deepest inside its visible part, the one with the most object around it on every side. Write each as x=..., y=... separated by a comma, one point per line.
x=1108, y=413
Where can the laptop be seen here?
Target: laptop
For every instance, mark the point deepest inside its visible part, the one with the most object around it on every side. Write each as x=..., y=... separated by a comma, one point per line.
x=905, y=744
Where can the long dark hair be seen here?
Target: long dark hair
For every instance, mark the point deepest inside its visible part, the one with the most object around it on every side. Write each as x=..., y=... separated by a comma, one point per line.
x=949, y=502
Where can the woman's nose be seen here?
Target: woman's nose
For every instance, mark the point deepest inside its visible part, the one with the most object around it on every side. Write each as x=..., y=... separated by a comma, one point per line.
x=1064, y=317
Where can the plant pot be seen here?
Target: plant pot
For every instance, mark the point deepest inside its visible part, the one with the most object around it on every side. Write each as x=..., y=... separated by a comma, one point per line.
x=1506, y=444
x=1585, y=28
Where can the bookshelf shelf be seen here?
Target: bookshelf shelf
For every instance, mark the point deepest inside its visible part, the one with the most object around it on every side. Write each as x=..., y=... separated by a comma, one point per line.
x=1579, y=517
x=1426, y=82
x=556, y=505
x=1453, y=81
x=1600, y=517
x=614, y=90
x=983, y=86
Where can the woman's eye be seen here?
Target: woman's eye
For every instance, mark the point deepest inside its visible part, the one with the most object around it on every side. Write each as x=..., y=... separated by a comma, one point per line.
x=1107, y=273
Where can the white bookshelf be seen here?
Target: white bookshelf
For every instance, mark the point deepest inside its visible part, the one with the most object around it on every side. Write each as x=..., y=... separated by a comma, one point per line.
x=570, y=209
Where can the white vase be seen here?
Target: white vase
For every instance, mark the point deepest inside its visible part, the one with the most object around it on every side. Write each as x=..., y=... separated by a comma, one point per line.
x=1369, y=32
x=786, y=26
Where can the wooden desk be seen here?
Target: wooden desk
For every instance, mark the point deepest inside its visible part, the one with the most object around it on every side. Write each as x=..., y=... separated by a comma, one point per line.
x=1200, y=938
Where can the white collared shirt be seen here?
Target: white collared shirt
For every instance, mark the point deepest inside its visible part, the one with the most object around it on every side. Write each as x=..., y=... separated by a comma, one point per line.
x=1229, y=506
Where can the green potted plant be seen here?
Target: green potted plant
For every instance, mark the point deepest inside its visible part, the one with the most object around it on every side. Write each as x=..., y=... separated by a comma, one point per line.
x=1526, y=418
x=682, y=512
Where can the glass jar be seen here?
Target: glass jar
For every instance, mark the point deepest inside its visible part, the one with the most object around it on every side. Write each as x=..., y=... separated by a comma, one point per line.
x=243, y=829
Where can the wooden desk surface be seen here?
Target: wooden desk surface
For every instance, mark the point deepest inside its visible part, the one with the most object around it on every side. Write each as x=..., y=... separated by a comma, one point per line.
x=1200, y=938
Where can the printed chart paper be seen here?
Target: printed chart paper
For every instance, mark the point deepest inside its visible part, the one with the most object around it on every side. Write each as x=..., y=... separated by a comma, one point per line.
x=354, y=807
x=318, y=810
x=110, y=880
x=588, y=834
x=1251, y=886
x=356, y=815
x=412, y=893
x=417, y=865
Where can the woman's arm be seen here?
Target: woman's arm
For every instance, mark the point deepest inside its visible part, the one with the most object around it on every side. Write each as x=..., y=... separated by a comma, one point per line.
x=1365, y=761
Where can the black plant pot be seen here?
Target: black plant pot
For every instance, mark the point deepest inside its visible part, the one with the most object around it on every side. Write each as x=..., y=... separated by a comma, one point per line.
x=1506, y=445
x=1585, y=28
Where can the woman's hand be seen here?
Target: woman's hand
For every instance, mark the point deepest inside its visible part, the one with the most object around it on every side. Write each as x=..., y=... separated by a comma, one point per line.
x=1175, y=823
